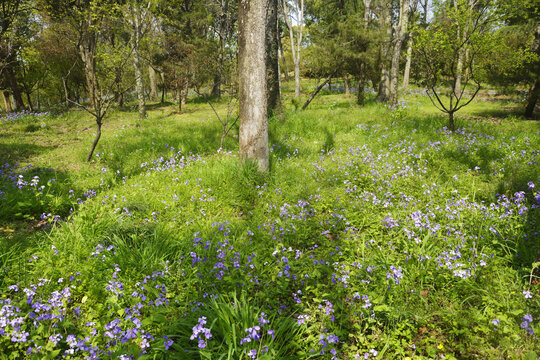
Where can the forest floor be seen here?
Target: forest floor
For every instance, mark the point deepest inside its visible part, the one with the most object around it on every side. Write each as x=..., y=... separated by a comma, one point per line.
x=377, y=233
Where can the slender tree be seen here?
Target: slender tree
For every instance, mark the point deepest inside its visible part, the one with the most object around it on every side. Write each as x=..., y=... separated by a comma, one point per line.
x=294, y=10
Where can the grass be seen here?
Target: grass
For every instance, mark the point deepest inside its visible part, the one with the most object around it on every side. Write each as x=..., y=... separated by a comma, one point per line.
x=377, y=234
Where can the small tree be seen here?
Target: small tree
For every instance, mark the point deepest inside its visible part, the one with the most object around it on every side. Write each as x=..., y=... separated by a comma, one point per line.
x=453, y=51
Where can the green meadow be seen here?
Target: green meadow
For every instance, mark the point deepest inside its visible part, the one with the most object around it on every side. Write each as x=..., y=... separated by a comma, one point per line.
x=377, y=233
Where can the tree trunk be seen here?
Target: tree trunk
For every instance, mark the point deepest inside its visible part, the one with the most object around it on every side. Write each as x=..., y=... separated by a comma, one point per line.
x=285, y=68
x=253, y=134
x=384, y=84
x=532, y=99
x=87, y=49
x=136, y=40
x=7, y=101
x=218, y=76
x=396, y=54
x=534, y=91
x=407, y=71
x=451, y=121
x=163, y=89
x=28, y=93
x=96, y=140
x=299, y=33
x=272, y=59
x=153, y=83
x=38, y=103
x=185, y=91
x=360, y=97
x=14, y=86
x=346, y=84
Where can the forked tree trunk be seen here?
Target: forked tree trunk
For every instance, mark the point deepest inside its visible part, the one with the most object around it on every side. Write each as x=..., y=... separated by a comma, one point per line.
x=253, y=134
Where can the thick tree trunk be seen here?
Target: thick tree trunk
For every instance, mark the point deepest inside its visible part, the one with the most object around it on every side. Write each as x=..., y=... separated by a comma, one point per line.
x=384, y=84
x=396, y=54
x=272, y=58
x=253, y=134
x=532, y=99
x=153, y=83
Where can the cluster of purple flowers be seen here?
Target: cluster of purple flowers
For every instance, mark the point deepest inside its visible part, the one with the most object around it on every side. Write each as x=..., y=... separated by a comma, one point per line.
x=201, y=333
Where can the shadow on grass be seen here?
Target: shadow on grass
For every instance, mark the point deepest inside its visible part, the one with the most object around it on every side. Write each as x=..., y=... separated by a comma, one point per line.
x=13, y=153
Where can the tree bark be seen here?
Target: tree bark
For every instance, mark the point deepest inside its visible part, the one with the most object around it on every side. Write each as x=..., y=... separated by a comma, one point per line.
x=96, y=140
x=272, y=59
x=14, y=86
x=534, y=91
x=153, y=83
x=163, y=88
x=384, y=84
x=299, y=32
x=360, y=96
x=29, y=98
x=399, y=36
x=253, y=134
x=532, y=99
x=451, y=121
x=218, y=76
x=407, y=71
x=7, y=101
x=136, y=35
x=185, y=90
x=285, y=68
x=346, y=85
